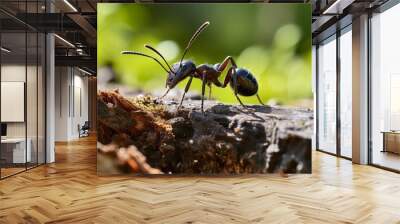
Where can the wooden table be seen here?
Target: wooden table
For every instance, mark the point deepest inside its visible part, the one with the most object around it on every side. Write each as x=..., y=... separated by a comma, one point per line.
x=391, y=141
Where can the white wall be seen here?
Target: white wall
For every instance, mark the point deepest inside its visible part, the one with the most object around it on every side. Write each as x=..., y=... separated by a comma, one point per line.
x=33, y=126
x=80, y=110
x=61, y=103
x=12, y=73
x=71, y=94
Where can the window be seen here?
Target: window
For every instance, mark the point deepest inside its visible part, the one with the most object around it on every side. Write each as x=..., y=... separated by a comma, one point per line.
x=346, y=92
x=385, y=89
x=327, y=95
x=22, y=77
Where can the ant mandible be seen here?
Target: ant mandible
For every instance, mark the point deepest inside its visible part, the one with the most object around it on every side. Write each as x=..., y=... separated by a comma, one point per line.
x=241, y=80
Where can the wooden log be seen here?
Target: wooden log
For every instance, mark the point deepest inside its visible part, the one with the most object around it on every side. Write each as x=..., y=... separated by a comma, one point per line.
x=227, y=139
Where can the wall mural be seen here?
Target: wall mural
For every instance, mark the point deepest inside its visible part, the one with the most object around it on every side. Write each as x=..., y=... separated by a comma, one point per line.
x=204, y=89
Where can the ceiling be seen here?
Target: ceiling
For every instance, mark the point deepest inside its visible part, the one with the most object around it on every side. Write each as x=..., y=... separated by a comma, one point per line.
x=74, y=22
x=331, y=15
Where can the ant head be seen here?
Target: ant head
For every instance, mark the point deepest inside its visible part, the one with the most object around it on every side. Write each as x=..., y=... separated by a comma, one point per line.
x=179, y=72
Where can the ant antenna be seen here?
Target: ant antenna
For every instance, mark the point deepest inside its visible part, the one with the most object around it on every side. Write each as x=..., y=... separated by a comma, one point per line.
x=195, y=35
x=157, y=52
x=145, y=55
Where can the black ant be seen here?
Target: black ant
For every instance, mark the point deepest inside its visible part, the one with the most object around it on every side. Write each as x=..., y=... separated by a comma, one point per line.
x=241, y=80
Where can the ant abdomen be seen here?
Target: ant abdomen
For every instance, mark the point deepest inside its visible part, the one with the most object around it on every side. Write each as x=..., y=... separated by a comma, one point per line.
x=246, y=83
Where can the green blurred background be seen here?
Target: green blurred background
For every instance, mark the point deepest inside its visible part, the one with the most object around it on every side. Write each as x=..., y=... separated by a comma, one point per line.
x=273, y=41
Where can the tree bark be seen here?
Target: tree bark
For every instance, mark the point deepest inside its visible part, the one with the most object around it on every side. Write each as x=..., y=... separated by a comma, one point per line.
x=227, y=139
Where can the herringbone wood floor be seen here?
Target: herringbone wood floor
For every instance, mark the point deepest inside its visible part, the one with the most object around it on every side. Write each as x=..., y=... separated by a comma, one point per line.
x=69, y=191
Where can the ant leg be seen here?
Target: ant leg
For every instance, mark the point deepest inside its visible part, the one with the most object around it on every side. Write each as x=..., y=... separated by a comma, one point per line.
x=225, y=62
x=186, y=89
x=228, y=77
x=241, y=103
x=259, y=100
x=203, y=88
x=229, y=74
x=234, y=80
x=166, y=92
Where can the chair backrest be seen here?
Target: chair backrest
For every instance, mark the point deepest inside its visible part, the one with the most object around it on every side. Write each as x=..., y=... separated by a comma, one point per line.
x=86, y=125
